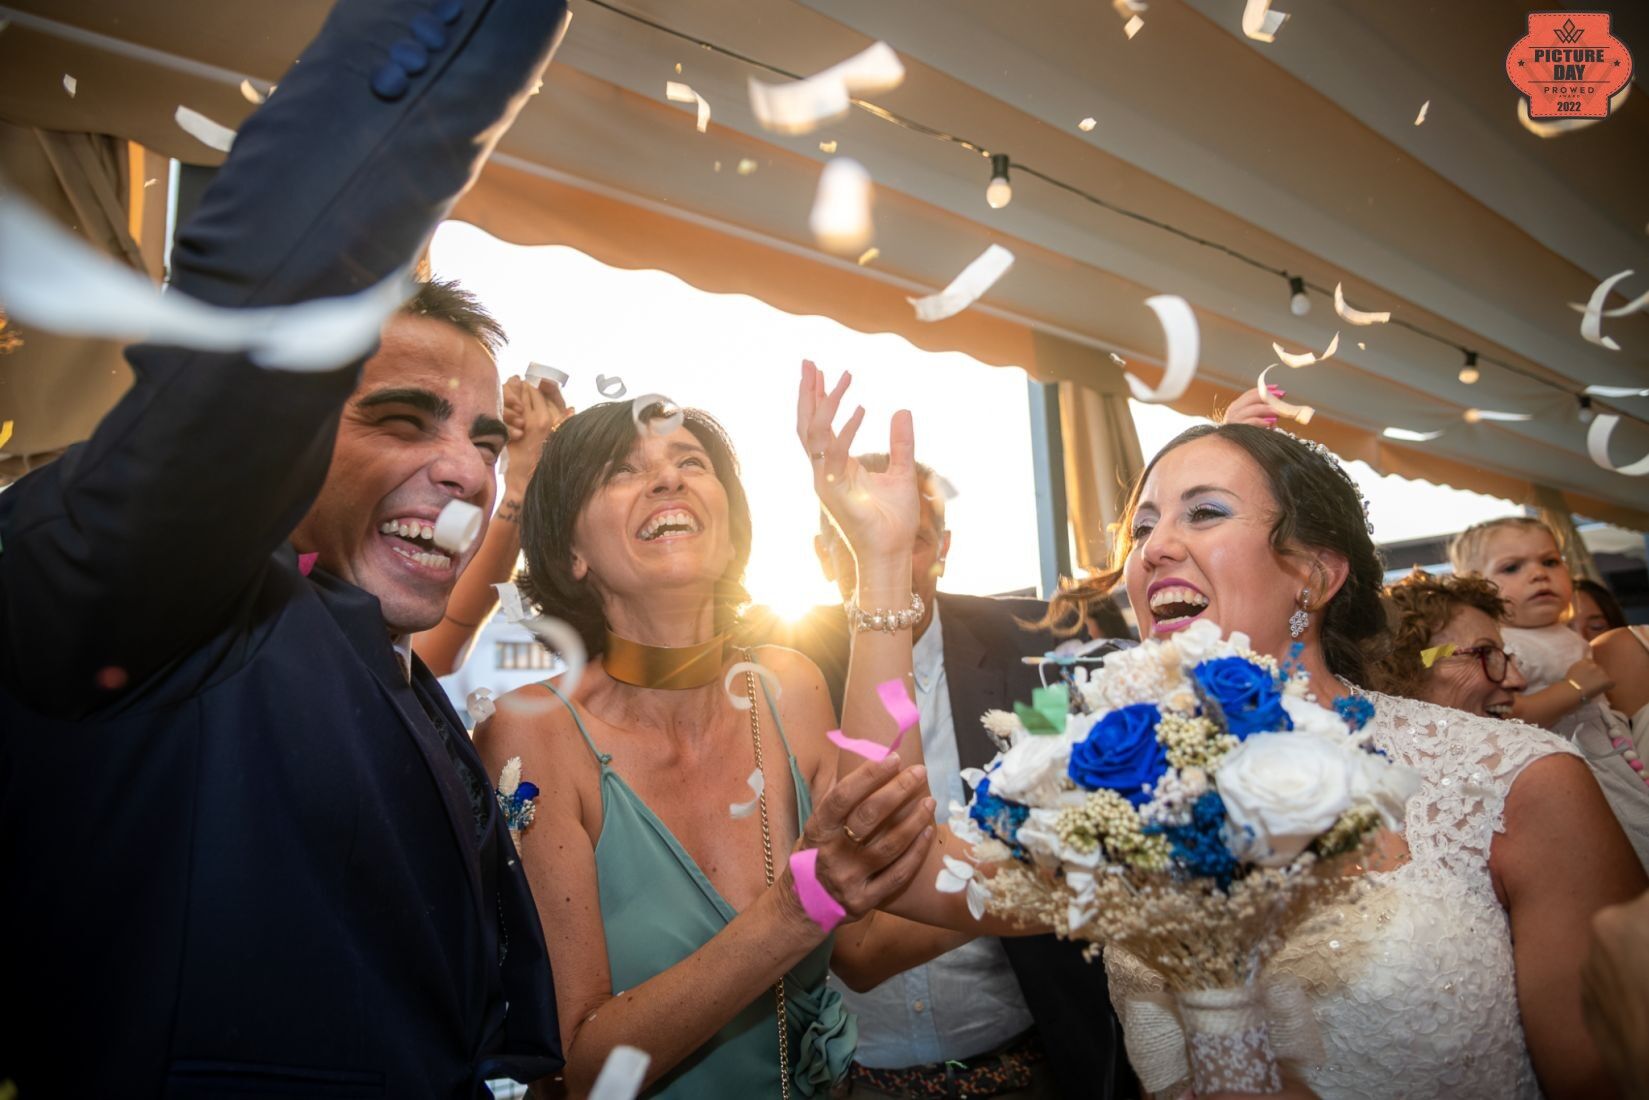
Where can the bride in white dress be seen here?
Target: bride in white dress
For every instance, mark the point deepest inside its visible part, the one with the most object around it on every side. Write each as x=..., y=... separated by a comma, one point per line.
x=1458, y=973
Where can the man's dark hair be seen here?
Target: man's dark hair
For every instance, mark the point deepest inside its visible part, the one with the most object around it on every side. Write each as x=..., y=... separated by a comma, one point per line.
x=577, y=460
x=928, y=483
x=445, y=300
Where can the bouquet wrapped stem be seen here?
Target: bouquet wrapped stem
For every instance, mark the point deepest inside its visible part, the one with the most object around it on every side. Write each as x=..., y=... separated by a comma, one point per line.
x=1228, y=1041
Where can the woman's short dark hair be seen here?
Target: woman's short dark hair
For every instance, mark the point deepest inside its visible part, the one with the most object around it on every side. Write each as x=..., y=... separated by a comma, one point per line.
x=1607, y=605
x=1418, y=608
x=1317, y=508
x=576, y=461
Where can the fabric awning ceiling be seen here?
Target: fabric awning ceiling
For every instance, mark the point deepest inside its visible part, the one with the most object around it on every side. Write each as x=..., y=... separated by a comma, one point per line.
x=1302, y=153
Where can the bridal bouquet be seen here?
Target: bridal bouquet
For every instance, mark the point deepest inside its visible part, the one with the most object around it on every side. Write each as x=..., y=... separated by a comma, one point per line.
x=1186, y=802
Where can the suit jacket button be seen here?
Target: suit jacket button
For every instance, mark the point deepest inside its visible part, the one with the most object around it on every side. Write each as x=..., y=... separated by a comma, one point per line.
x=390, y=81
x=448, y=11
x=410, y=56
x=428, y=30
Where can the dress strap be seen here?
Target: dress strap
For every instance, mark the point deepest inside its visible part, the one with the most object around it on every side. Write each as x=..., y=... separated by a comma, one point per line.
x=604, y=758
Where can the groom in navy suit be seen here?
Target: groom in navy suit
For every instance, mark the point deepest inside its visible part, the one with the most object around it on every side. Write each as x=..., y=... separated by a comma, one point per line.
x=245, y=846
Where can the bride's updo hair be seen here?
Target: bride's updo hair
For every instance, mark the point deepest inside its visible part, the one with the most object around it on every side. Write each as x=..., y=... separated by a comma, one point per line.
x=1318, y=508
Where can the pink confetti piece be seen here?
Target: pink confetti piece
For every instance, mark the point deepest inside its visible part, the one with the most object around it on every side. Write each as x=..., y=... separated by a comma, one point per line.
x=899, y=707
x=870, y=750
x=306, y=563
x=822, y=909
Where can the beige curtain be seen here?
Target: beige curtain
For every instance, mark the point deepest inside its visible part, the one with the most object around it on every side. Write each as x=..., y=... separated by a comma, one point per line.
x=53, y=388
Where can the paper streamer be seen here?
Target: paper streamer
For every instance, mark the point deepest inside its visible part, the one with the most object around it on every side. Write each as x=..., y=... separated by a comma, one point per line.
x=758, y=784
x=51, y=278
x=70, y=84
x=1429, y=657
x=1356, y=316
x=1597, y=445
x=540, y=372
x=804, y=105
x=1134, y=25
x=622, y=1075
x=482, y=707
x=251, y=93
x=610, y=387
x=204, y=130
x=1596, y=391
x=673, y=415
x=978, y=277
x=1634, y=306
x=840, y=218
x=1301, y=413
x=1591, y=324
x=1421, y=117
x=677, y=92
x=1260, y=23
x=742, y=701
x=1410, y=437
x=510, y=602
x=904, y=715
x=5, y=432
x=1307, y=358
x=567, y=644
x=458, y=526
x=1472, y=416
x=306, y=563
x=822, y=909
x=1179, y=326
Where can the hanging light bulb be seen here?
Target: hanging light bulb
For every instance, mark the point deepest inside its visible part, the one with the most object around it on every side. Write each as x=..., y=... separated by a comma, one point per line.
x=999, y=192
x=1469, y=373
x=1587, y=413
x=1298, y=304
x=1472, y=416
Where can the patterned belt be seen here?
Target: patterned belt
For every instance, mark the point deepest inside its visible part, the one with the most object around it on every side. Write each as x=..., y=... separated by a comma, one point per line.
x=1008, y=1068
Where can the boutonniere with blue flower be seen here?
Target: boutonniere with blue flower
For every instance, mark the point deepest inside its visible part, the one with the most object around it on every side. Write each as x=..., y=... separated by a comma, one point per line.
x=517, y=798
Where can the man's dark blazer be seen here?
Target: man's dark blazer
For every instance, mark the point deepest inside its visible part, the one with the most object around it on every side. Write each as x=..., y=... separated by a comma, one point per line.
x=237, y=857
x=1068, y=997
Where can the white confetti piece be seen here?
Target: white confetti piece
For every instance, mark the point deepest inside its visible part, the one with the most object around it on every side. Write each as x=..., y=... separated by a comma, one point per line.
x=613, y=387
x=1086, y=125
x=841, y=207
x=1597, y=445
x=677, y=92
x=868, y=255
x=1356, y=316
x=1616, y=391
x=1259, y=22
x=511, y=602
x=1361, y=346
x=1134, y=25
x=510, y=777
x=1421, y=117
x=758, y=784
x=741, y=701
x=1473, y=416
x=803, y=105
x=1179, y=326
x=622, y=1074
x=973, y=280
x=1591, y=323
x=204, y=130
x=1408, y=436
x=458, y=526
x=542, y=372
x=669, y=417
x=827, y=147
x=1634, y=306
x=1305, y=359
x=1301, y=413
x=746, y=166
x=482, y=706
x=54, y=279
x=70, y=84
x=252, y=93
x=566, y=643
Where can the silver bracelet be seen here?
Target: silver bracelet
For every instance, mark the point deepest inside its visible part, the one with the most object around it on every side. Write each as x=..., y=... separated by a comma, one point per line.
x=861, y=620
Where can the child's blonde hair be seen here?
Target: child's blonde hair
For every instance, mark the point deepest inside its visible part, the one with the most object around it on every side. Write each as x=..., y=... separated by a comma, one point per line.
x=1469, y=550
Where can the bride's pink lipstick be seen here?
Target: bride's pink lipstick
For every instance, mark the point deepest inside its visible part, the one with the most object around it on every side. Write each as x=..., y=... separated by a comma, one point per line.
x=1177, y=624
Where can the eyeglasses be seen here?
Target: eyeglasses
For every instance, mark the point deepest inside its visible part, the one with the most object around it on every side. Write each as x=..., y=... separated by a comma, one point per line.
x=1491, y=657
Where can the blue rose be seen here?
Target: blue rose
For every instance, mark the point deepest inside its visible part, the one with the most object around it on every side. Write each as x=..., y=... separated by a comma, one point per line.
x=1199, y=845
x=1121, y=753
x=525, y=792
x=998, y=816
x=1245, y=696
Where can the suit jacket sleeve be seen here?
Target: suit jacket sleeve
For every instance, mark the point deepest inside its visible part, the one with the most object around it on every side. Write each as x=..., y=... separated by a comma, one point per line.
x=134, y=547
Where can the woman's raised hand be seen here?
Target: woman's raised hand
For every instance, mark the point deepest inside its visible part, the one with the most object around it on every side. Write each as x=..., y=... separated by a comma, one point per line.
x=1250, y=408
x=531, y=412
x=873, y=830
x=877, y=512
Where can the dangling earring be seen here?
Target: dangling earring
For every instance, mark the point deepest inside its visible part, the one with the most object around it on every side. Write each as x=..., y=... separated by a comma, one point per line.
x=1301, y=618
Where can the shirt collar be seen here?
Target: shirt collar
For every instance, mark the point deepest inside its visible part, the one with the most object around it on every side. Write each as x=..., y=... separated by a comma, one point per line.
x=927, y=656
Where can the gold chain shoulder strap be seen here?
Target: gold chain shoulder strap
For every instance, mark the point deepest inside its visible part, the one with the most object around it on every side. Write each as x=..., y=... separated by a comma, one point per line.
x=767, y=867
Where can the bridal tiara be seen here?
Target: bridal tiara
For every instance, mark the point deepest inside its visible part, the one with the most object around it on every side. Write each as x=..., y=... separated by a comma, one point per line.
x=1334, y=463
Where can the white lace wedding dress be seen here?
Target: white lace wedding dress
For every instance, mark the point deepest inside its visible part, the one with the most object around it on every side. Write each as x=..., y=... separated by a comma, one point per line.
x=1412, y=987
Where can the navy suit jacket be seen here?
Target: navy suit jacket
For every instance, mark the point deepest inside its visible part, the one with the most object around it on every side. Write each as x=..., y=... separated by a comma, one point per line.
x=236, y=854
x=1068, y=997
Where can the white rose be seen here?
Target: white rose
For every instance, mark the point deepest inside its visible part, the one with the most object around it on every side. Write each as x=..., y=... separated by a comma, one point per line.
x=1283, y=790
x=1196, y=641
x=1312, y=719
x=1031, y=771
x=1040, y=838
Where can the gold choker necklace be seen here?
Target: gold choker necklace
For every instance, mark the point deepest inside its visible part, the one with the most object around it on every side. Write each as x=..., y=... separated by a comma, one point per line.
x=672, y=668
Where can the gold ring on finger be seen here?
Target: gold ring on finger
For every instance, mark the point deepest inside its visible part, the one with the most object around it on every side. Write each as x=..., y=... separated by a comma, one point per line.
x=851, y=835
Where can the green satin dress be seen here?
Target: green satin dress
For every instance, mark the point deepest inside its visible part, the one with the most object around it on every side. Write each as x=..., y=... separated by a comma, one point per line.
x=657, y=908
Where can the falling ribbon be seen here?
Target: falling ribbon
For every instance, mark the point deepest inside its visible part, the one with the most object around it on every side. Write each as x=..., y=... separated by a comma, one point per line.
x=1307, y=358
x=1421, y=117
x=1617, y=391
x=1179, y=326
x=1473, y=416
x=458, y=526
x=481, y=706
x=1410, y=437
x=5, y=432
x=1597, y=445
x=510, y=601
x=610, y=387
x=70, y=84
x=1260, y=23
x=250, y=92
x=1356, y=316
x=1429, y=657
x=758, y=784
x=622, y=1074
x=899, y=708
x=768, y=676
x=1134, y=25
x=1046, y=713
x=1301, y=413
x=1591, y=324
x=840, y=218
x=971, y=282
x=677, y=92
x=669, y=417
x=822, y=909
x=540, y=372
x=204, y=130
x=803, y=105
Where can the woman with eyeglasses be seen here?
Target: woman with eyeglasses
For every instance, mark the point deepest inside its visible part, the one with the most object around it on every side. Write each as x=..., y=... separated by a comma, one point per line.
x=1446, y=648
